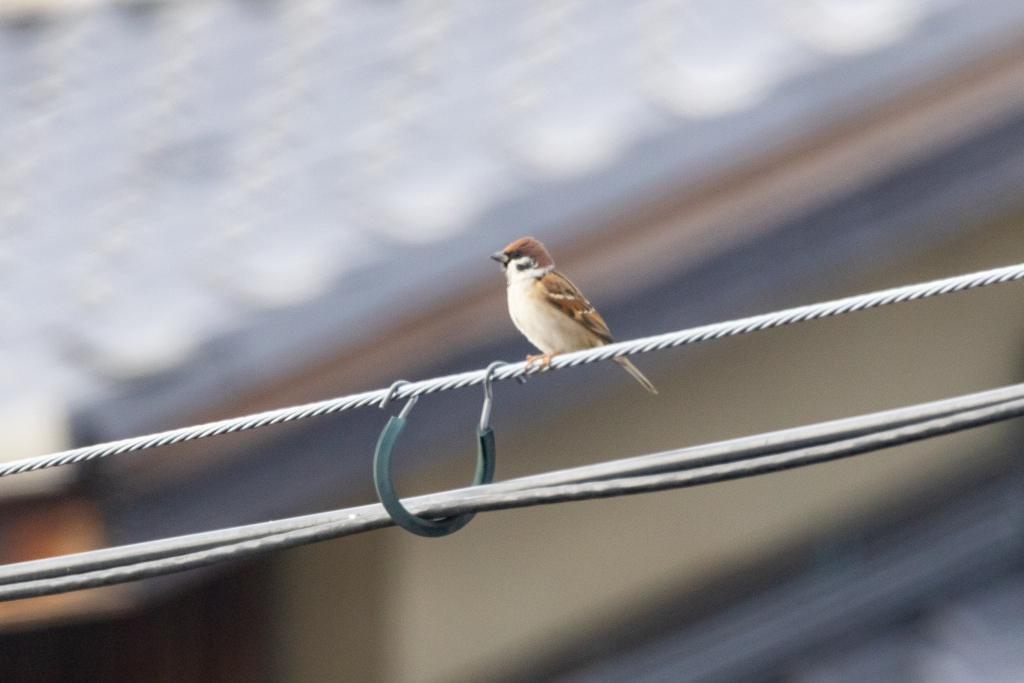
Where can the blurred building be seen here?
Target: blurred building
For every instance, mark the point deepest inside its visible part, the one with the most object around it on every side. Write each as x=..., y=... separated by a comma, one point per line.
x=209, y=208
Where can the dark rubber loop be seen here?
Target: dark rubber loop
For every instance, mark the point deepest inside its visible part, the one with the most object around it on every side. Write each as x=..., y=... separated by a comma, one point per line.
x=389, y=498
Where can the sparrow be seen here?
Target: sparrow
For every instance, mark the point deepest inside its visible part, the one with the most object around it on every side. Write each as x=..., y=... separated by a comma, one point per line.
x=549, y=310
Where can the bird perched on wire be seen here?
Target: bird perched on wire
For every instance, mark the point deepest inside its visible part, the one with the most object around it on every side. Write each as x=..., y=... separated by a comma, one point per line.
x=549, y=310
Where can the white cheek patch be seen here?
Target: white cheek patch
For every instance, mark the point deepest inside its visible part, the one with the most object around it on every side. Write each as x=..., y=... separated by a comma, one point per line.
x=515, y=274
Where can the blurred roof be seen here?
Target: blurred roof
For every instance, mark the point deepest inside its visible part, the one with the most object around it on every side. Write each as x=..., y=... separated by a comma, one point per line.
x=214, y=207
x=220, y=194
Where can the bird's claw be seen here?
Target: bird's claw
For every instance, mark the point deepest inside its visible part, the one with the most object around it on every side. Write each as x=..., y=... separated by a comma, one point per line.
x=544, y=360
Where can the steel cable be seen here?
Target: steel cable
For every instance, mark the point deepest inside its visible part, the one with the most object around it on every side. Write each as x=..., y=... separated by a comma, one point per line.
x=683, y=458
x=513, y=370
x=722, y=461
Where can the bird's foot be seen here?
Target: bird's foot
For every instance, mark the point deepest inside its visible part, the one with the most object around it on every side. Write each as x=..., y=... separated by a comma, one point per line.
x=544, y=360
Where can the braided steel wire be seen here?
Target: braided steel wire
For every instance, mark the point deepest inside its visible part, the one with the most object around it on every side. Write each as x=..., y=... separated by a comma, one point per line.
x=512, y=370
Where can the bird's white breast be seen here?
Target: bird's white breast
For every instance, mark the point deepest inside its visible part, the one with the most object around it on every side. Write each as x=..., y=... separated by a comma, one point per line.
x=547, y=328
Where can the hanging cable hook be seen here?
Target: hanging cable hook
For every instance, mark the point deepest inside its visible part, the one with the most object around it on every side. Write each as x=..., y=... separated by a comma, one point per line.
x=390, y=396
x=385, y=487
x=485, y=414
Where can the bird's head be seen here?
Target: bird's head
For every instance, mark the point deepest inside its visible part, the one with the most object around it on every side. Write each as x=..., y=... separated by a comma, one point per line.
x=524, y=257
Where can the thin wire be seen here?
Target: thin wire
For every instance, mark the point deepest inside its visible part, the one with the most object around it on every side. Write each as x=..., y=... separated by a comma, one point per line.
x=726, y=460
x=514, y=370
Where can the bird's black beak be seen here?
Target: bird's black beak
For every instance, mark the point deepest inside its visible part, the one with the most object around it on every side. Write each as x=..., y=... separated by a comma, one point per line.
x=499, y=256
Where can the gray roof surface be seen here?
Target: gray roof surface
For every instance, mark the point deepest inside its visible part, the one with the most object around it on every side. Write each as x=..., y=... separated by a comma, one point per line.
x=978, y=637
x=240, y=187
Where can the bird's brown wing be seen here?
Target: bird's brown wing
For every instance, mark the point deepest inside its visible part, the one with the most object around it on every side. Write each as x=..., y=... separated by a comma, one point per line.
x=564, y=296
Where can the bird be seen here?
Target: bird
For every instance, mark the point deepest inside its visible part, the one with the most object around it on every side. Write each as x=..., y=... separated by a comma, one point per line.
x=549, y=310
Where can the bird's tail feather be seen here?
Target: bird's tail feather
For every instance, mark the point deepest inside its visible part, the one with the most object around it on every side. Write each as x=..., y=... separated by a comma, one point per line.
x=639, y=376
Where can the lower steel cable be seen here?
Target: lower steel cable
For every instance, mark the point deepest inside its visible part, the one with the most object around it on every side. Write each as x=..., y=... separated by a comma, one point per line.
x=69, y=573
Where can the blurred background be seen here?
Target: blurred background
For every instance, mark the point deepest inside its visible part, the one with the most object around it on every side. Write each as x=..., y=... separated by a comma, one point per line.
x=214, y=207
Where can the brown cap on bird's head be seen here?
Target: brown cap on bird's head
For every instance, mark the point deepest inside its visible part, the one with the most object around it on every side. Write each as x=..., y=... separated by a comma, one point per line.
x=525, y=246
